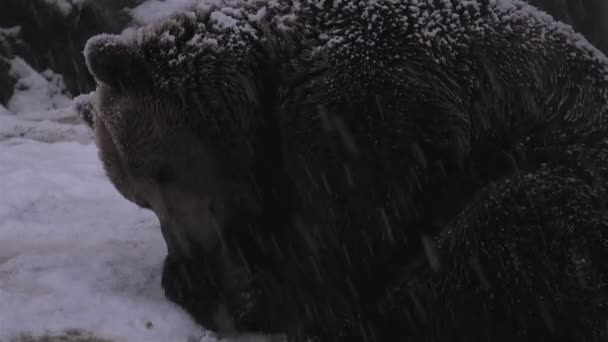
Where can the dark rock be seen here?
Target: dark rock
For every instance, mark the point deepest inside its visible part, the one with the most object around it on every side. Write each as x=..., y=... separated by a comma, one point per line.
x=6, y=81
x=56, y=39
x=11, y=45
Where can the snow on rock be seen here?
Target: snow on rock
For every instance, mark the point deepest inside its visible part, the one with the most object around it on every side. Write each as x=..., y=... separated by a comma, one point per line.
x=44, y=131
x=36, y=92
x=65, y=6
x=153, y=10
x=40, y=109
x=8, y=33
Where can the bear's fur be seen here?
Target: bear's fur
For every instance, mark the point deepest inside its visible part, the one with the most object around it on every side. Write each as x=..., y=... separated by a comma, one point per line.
x=307, y=158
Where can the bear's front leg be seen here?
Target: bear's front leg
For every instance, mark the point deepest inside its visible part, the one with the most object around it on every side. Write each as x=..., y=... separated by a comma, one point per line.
x=526, y=261
x=187, y=285
x=223, y=299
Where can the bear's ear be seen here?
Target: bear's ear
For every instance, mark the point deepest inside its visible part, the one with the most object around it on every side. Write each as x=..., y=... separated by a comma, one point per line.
x=112, y=61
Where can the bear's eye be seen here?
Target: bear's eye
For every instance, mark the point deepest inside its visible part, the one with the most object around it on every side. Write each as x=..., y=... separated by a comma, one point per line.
x=165, y=174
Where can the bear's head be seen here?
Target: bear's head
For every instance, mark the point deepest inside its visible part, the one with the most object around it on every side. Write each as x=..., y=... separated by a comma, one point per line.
x=184, y=151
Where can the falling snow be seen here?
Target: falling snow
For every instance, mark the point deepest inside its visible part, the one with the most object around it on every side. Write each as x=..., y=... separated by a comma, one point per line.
x=74, y=254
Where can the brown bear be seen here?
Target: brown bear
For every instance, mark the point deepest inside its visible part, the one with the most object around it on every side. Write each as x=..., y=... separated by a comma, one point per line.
x=380, y=170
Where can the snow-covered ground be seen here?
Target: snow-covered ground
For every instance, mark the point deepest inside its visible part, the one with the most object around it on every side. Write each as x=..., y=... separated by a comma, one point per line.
x=74, y=254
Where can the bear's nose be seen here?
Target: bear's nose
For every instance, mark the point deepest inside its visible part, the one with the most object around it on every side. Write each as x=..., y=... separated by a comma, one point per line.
x=193, y=224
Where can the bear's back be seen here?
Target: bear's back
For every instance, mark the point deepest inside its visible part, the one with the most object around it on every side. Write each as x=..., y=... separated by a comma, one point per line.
x=399, y=112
